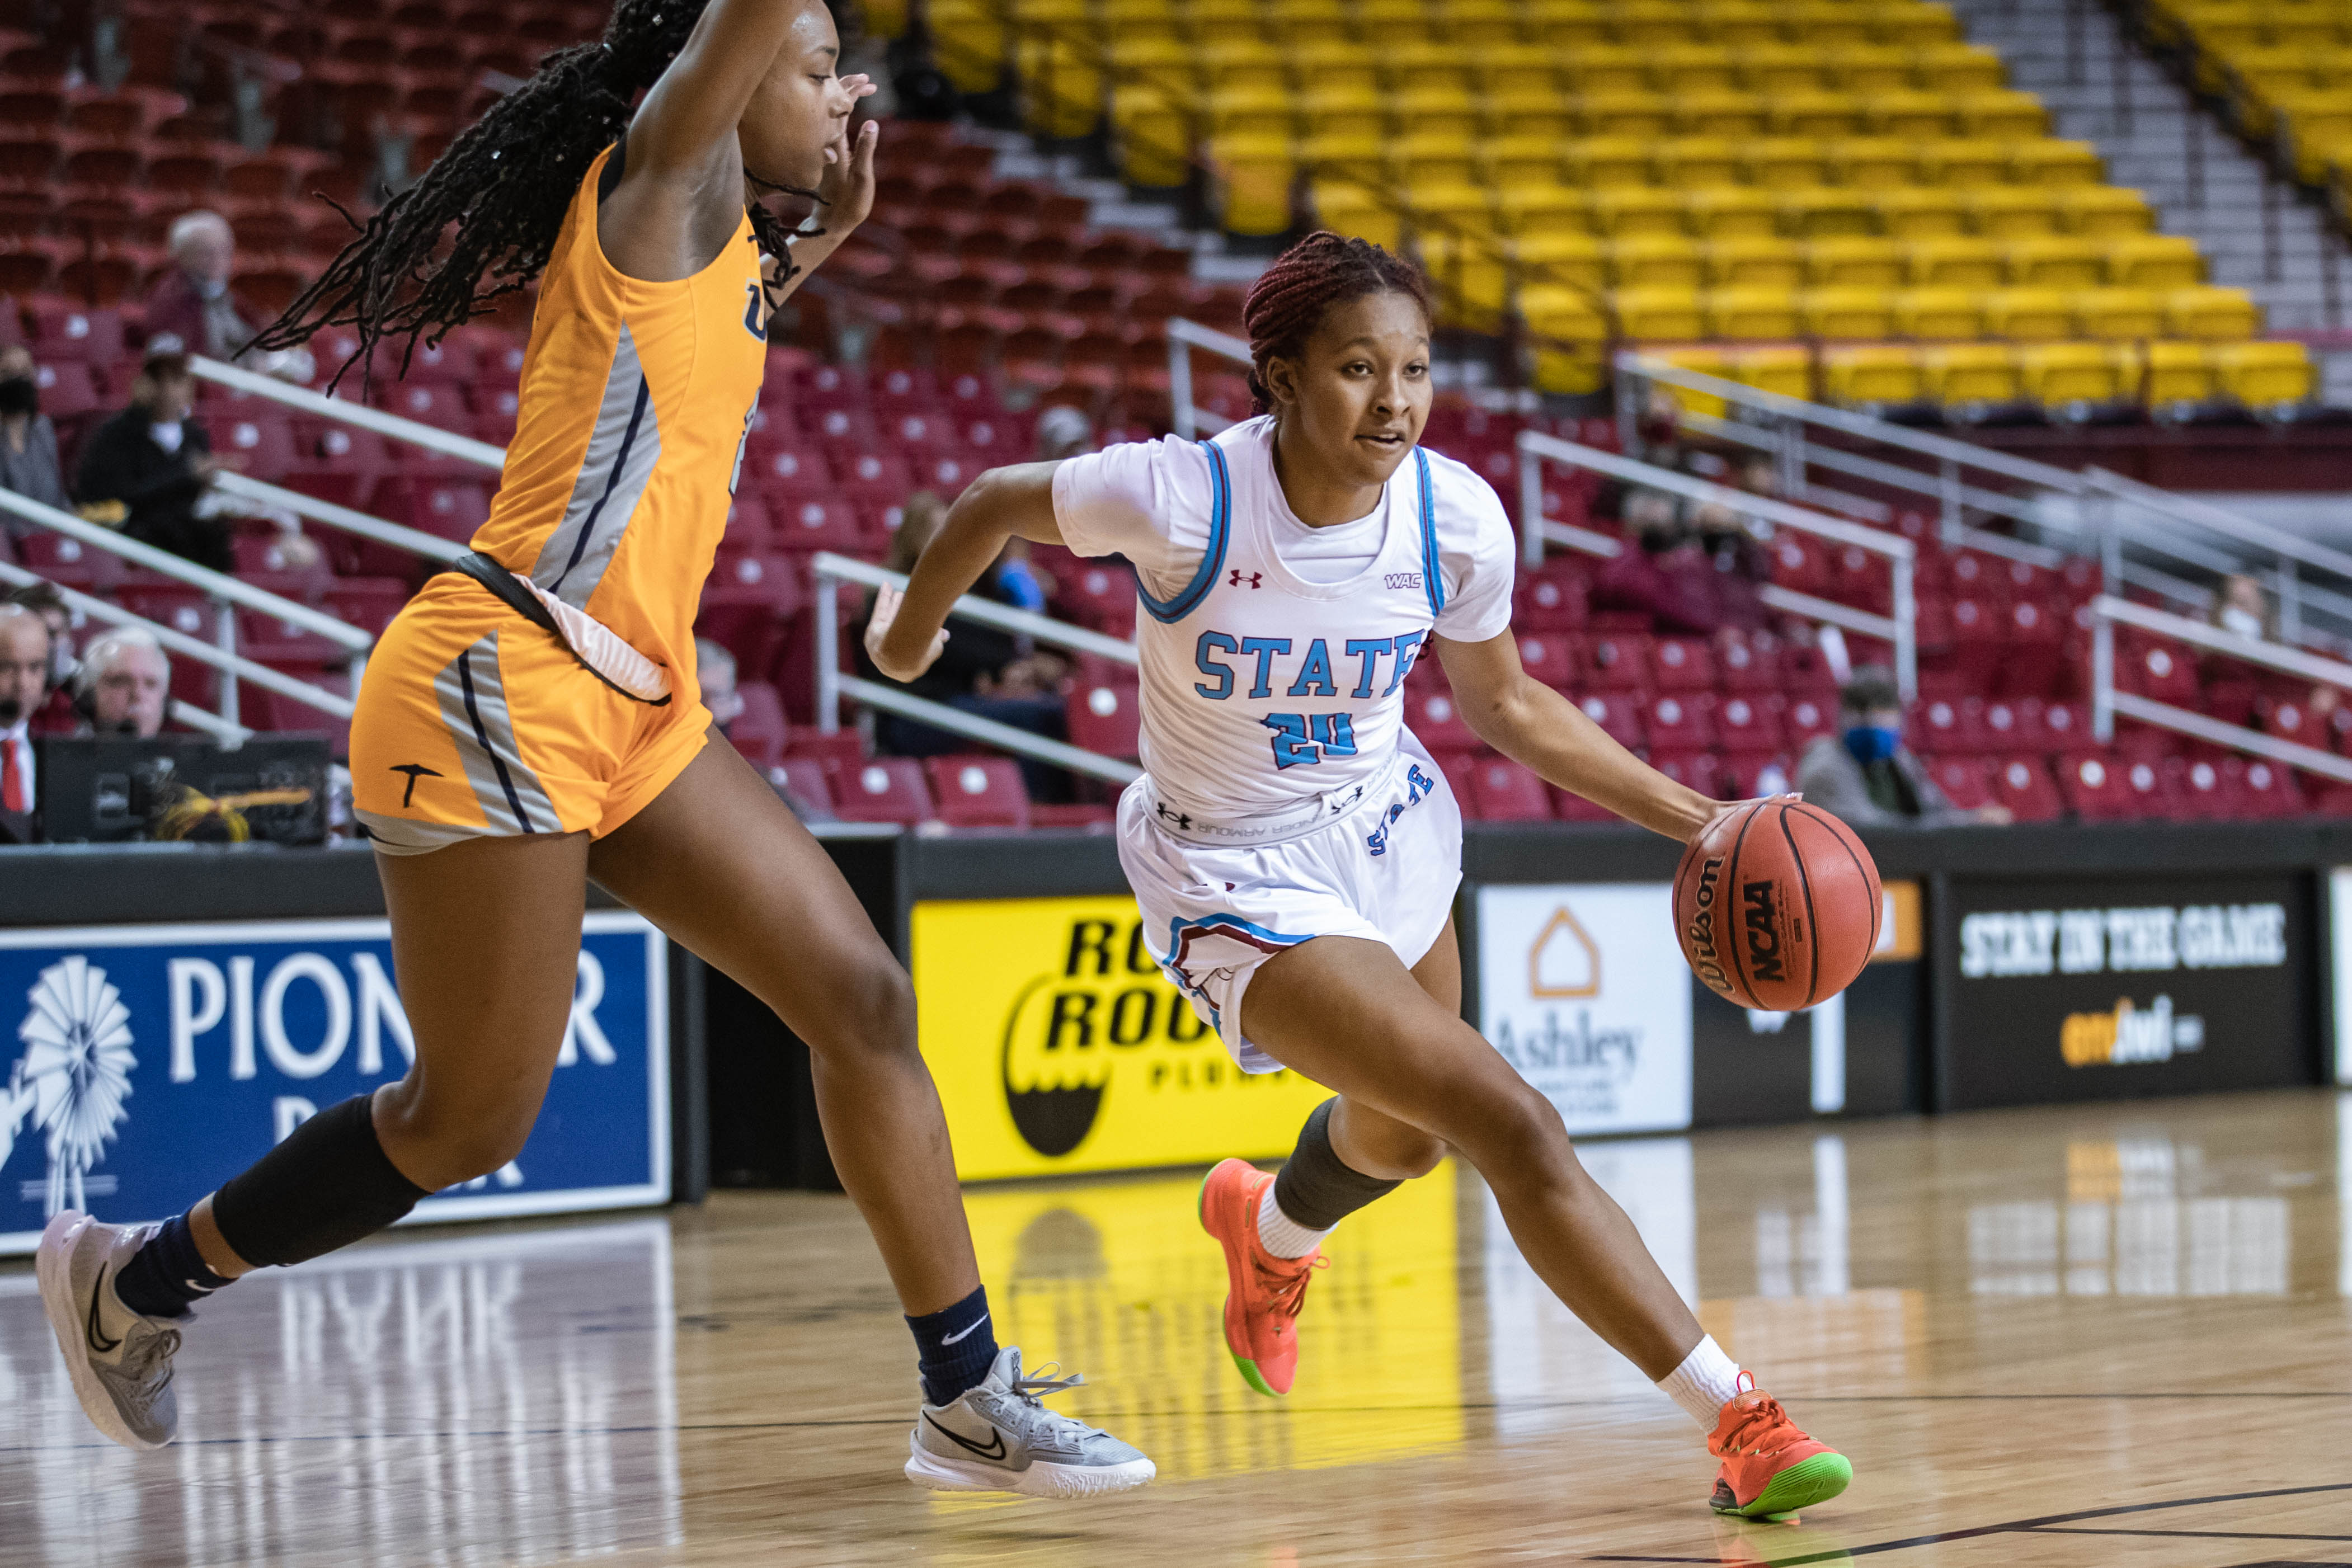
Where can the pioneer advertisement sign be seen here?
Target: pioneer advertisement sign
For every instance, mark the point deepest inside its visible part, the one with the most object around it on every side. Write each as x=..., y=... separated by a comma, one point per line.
x=2104, y=988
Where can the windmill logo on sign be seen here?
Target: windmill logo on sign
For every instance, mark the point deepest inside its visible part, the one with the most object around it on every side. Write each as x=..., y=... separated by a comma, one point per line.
x=70, y=1084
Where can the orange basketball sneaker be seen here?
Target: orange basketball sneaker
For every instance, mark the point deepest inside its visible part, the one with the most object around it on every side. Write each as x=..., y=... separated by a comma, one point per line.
x=1263, y=1292
x=1770, y=1469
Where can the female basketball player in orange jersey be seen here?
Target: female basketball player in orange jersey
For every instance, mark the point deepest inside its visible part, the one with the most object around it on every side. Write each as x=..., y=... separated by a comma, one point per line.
x=530, y=721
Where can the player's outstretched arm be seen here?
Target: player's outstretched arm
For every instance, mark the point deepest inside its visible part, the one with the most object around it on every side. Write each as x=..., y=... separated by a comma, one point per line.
x=907, y=631
x=1536, y=727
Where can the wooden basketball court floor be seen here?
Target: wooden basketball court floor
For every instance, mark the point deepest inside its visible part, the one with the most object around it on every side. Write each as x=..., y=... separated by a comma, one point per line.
x=2115, y=1334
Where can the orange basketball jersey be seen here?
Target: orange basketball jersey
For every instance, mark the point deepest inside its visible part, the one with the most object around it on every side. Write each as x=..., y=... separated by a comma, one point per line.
x=635, y=400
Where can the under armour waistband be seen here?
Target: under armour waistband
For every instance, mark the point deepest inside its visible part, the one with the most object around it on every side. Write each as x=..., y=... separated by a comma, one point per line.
x=1191, y=825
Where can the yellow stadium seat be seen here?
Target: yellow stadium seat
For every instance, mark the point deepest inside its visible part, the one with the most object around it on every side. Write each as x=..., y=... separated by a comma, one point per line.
x=1743, y=24
x=1698, y=163
x=1858, y=313
x=1296, y=22
x=2213, y=315
x=2050, y=162
x=1706, y=361
x=1550, y=211
x=1872, y=379
x=2120, y=315
x=1519, y=68
x=1063, y=91
x=1253, y=112
x=1876, y=162
x=1625, y=112
x=1779, y=68
x=1350, y=209
x=1480, y=24
x=1646, y=23
x=1689, y=65
x=2071, y=380
x=2175, y=378
x=1242, y=64
x=2317, y=128
x=1520, y=160
x=1956, y=68
x=1969, y=164
x=1329, y=65
x=1161, y=64
x=1560, y=259
x=2313, y=29
x=1721, y=111
x=1732, y=212
x=1913, y=114
x=1921, y=214
x=2012, y=212
x=1607, y=163
x=1627, y=212
x=1253, y=177
x=1433, y=157
x=1570, y=24
x=1818, y=215
x=1655, y=261
x=1471, y=279
x=1787, y=164
x=1346, y=109
x=2105, y=209
x=1820, y=22
x=2057, y=262
x=1787, y=370
x=1153, y=135
x=1967, y=377
x=1669, y=315
x=1392, y=21
x=1221, y=18
x=1857, y=261
x=1962, y=263
x=2030, y=314
x=2264, y=73
x=1754, y=263
x=1445, y=106
x=2268, y=377
x=1605, y=68
x=1123, y=19
x=1917, y=25
x=1939, y=314
x=1868, y=69
x=1346, y=155
x=1412, y=63
x=1570, y=356
x=1535, y=115
x=2003, y=116
x=2154, y=261
x=1452, y=209
x=1831, y=116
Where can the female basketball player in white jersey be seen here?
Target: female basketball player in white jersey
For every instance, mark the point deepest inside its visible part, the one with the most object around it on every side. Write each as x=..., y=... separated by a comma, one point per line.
x=1294, y=848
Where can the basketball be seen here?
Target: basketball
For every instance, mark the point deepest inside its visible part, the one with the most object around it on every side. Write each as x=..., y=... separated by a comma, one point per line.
x=1777, y=906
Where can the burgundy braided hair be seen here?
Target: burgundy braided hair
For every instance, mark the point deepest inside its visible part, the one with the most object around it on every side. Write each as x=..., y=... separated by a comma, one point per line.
x=1291, y=298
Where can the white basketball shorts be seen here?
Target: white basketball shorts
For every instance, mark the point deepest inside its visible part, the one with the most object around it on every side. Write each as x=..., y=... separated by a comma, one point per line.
x=1386, y=871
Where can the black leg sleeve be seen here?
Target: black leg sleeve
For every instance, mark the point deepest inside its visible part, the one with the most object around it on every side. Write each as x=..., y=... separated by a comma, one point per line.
x=327, y=1185
x=1315, y=1189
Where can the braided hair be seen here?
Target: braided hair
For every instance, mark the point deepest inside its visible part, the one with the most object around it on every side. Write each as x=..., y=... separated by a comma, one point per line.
x=497, y=197
x=1291, y=298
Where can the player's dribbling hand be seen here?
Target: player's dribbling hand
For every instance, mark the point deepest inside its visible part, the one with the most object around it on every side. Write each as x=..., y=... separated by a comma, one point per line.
x=1728, y=807
x=886, y=601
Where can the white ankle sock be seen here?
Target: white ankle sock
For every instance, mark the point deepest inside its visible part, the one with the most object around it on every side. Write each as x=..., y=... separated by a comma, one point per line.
x=1703, y=1383
x=1281, y=1235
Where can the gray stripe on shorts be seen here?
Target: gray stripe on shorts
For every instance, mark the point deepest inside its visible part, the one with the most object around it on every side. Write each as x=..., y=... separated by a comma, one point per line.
x=474, y=705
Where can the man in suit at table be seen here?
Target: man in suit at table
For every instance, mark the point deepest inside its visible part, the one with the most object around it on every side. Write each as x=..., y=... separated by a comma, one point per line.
x=24, y=683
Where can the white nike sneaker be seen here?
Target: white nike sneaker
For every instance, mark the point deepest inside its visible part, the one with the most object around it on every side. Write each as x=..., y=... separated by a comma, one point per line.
x=120, y=1362
x=997, y=1437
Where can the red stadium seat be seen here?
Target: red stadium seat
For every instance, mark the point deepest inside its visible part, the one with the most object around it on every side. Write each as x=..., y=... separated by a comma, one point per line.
x=2208, y=789
x=2160, y=671
x=881, y=790
x=1947, y=726
x=811, y=522
x=776, y=459
x=2094, y=789
x=1965, y=780
x=803, y=783
x=1751, y=723
x=1503, y=791
x=1684, y=664
x=1616, y=661
x=2265, y=789
x=1430, y=714
x=1548, y=603
x=1619, y=715
x=2064, y=725
x=448, y=510
x=1683, y=721
x=2290, y=719
x=2023, y=785
x=1697, y=769
x=68, y=388
x=263, y=636
x=367, y=602
x=1808, y=717
x=1098, y=594
x=266, y=444
x=2151, y=787
x=760, y=731
x=1748, y=775
x=1571, y=807
x=1548, y=659
x=1801, y=563
x=979, y=792
x=65, y=329
x=1750, y=663
x=1103, y=717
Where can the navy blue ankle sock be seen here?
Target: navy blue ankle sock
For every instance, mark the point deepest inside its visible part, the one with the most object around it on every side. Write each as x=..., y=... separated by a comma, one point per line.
x=954, y=1349
x=168, y=1275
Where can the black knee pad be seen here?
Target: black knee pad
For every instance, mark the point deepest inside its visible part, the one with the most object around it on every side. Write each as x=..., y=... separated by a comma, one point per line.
x=327, y=1185
x=1316, y=1190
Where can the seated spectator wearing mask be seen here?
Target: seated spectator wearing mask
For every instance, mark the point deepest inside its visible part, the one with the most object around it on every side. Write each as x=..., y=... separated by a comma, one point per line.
x=1666, y=574
x=157, y=461
x=983, y=671
x=124, y=685
x=23, y=683
x=193, y=302
x=714, y=670
x=28, y=442
x=1866, y=777
x=57, y=714
x=2239, y=606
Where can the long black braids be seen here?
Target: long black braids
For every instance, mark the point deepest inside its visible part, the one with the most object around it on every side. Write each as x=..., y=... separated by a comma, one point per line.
x=499, y=194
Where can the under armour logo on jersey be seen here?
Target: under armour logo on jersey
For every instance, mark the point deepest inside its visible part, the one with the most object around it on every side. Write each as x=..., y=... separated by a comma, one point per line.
x=1178, y=817
x=1233, y=579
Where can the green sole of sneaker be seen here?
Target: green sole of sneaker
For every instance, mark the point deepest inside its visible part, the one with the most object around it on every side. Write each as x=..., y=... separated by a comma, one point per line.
x=1801, y=1486
x=1250, y=1375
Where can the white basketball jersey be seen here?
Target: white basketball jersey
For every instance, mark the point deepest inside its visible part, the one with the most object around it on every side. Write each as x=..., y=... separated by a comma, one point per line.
x=1263, y=692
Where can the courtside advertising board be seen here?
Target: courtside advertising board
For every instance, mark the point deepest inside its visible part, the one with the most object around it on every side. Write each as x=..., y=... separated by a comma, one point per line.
x=149, y=1063
x=1059, y=1045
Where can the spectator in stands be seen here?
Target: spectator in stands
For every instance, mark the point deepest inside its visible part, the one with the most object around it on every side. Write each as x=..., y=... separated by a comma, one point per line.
x=24, y=681
x=1866, y=775
x=157, y=461
x=56, y=715
x=1666, y=575
x=991, y=673
x=2240, y=605
x=1063, y=432
x=714, y=667
x=124, y=685
x=28, y=442
x=195, y=304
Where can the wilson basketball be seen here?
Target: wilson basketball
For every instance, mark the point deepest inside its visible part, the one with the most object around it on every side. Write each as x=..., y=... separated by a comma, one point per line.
x=1777, y=906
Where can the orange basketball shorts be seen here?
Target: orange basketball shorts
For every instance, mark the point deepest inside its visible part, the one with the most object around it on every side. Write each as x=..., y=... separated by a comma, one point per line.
x=472, y=722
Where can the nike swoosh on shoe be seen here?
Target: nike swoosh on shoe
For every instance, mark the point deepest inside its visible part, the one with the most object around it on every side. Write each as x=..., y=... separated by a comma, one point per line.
x=996, y=1450
x=94, y=1333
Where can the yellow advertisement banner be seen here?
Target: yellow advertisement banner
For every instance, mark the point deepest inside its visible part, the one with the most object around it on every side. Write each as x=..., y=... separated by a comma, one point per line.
x=1899, y=933
x=1058, y=1046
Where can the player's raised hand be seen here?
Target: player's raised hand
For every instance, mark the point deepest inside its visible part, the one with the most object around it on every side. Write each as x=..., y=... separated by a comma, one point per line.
x=886, y=601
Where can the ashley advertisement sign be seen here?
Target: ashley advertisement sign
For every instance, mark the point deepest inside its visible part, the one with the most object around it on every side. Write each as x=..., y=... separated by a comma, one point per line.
x=1584, y=990
x=149, y=1063
x=2096, y=989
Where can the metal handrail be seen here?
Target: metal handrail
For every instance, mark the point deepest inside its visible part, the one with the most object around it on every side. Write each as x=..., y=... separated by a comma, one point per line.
x=413, y=431
x=1183, y=337
x=2108, y=702
x=833, y=686
x=415, y=540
